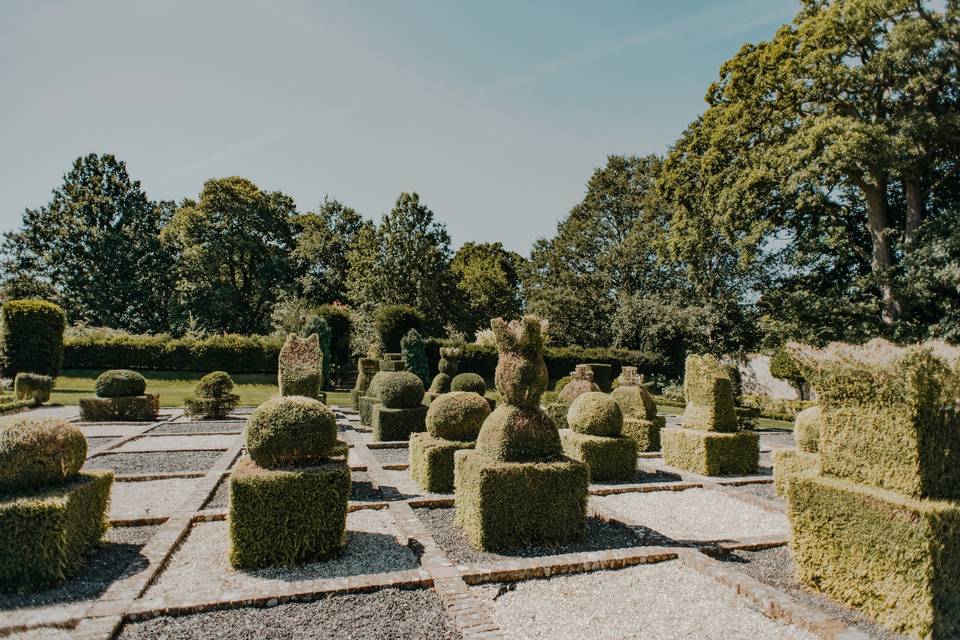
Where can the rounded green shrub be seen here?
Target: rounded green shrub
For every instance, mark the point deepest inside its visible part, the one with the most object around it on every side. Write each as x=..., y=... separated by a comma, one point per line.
x=32, y=386
x=31, y=337
x=392, y=322
x=635, y=402
x=468, y=382
x=457, y=415
x=290, y=430
x=37, y=453
x=401, y=390
x=214, y=385
x=512, y=434
x=376, y=382
x=120, y=383
x=440, y=384
x=596, y=414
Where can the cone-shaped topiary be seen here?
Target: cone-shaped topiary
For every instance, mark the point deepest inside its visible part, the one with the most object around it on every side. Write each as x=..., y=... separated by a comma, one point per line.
x=300, y=370
x=457, y=415
x=37, y=453
x=120, y=383
x=581, y=382
x=469, y=382
x=212, y=397
x=595, y=414
x=291, y=429
x=401, y=390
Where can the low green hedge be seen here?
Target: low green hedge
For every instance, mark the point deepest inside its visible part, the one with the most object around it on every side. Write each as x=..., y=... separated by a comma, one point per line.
x=788, y=463
x=48, y=535
x=397, y=424
x=608, y=459
x=31, y=337
x=509, y=505
x=366, y=409
x=646, y=433
x=9, y=405
x=32, y=386
x=133, y=408
x=431, y=461
x=711, y=453
x=894, y=558
x=287, y=516
x=37, y=453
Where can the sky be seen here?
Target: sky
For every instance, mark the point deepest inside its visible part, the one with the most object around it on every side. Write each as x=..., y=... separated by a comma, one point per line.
x=496, y=112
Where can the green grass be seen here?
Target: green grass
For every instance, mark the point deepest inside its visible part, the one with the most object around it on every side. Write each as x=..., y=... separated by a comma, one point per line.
x=174, y=386
x=762, y=423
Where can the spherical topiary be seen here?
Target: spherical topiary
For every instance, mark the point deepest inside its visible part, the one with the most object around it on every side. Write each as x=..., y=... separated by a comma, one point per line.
x=290, y=430
x=635, y=402
x=468, y=382
x=512, y=434
x=376, y=382
x=596, y=414
x=401, y=390
x=214, y=385
x=440, y=384
x=120, y=383
x=457, y=415
x=37, y=453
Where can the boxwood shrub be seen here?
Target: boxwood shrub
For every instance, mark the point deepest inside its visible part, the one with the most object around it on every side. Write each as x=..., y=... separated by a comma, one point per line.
x=431, y=461
x=397, y=424
x=32, y=386
x=37, y=453
x=291, y=429
x=711, y=453
x=132, y=408
x=608, y=459
x=31, y=337
x=120, y=383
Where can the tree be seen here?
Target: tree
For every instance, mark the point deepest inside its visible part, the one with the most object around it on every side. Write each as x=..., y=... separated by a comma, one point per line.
x=324, y=239
x=234, y=247
x=783, y=366
x=488, y=281
x=95, y=249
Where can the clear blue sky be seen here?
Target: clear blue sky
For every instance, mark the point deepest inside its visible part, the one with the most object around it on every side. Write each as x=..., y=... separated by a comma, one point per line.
x=496, y=112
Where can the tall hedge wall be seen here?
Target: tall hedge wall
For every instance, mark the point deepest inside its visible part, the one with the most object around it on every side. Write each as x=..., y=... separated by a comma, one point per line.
x=31, y=337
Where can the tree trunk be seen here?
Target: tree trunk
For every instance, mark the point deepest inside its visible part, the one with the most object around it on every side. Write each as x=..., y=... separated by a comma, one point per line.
x=881, y=260
x=914, y=212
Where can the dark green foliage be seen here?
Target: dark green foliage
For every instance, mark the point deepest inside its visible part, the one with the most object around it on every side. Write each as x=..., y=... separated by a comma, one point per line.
x=557, y=412
x=553, y=496
x=47, y=535
x=596, y=414
x=391, y=365
x=608, y=459
x=341, y=324
x=488, y=281
x=787, y=463
x=215, y=384
x=431, y=461
x=400, y=390
x=317, y=324
x=511, y=434
x=736, y=383
x=457, y=415
x=212, y=397
x=440, y=384
x=366, y=409
x=324, y=238
x=130, y=408
x=120, y=383
x=287, y=516
x=468, y=382
x=32, y=386
x=290, y=430
x=393, y=322
x=783, y=366
x=414, y=351
x=602, y=375
x=894, y=558
x=31, y=337
x=711, y=453
x=36, y=453
x=367, y=368
x=397, y=424
x=646, y=433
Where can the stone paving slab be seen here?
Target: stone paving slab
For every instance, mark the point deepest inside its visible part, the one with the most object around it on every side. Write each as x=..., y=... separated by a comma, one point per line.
x=150, y=498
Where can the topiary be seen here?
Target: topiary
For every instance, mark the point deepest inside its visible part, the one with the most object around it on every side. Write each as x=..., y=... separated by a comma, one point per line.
x=521, y=374
x=581, y=382
x=36, y=453
x=317, y=324
x=340, y=320
x=212, y=397
x=300, y=366
x=392, y=322
x=414, y=351
x=401, y=390
x=440, y=384
x=457, y=416
x=31, y=337
x=635, y=402
x=291, y=430
x=449, y=360
x=32, y=386
x=595, y=414
x=469, y=382
x=214, y=385
x=120, y=383
x=783, y=366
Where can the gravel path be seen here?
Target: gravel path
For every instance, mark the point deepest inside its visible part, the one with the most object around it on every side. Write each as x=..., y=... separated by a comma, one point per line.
x=776, y=440
x=391, y=456
x=98, y=430
x=43, y=633
x=644, y=477
x=221, y=495
x=775, y=568
x=199, y=568
x=179, y=443
x=762, y=490
x=103, y=567
x=695, y=514
x=390, y=614
x=197, y=427
x=151, y=498
x=402, y=482
x=156, y=462
x=362, y=489
x=662, y=601
x=95, y=442
x=450, y=537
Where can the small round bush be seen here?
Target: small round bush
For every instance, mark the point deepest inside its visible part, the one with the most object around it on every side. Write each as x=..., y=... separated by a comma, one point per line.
x=596, y=414
x=37, y=453
x=376, y=382
x=119, y=383
x=635, y=402
x=457, y=415
x=290, y=430
x=214, y=385
x=469, y=382
x=401, y=390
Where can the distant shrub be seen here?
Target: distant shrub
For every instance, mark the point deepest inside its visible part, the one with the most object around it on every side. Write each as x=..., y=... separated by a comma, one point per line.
x=120, y=383
x=31, y=337
x=340, y=320
x=783, y=366
x=213, y=396
x=392, y=322
x=414, y=351
x=32, y=386
x=468, y=382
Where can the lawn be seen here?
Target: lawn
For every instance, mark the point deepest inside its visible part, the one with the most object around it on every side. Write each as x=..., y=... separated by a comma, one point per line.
x=762, y=423
x=174, y=386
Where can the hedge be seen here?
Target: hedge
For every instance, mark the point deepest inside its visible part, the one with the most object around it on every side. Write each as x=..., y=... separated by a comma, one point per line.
x=646, y=433
x=711, y=453
x=31, y=337
x=608, y=459
x=133, y=408
x=397, y=424
x=431, y=461
x=392, y=322
x=36, y=453
x=32, y=386
x=120, y=383
x=787, y=463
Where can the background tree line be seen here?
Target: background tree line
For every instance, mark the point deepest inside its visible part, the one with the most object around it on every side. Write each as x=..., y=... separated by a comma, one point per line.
x=816, y=198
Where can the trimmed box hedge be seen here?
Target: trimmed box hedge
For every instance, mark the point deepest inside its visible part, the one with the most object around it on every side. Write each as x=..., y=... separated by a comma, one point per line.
x=287, y=516
x=397, y=424
x=646, y=433
x=711, y=453
x=32, y=386
x=366, y=409
x=431, y=461
x=31, y=337
x=608, y=459
x=504, y=505
x=788, y=463
x=806, y=430
x=47, y=535
x=895, y=558
x=133, y=408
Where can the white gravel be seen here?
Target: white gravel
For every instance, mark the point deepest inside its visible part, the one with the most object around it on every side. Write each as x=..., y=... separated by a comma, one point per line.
x=200, y=568
x=148, y=499
x=664, y=601
x=179, y=443
x=695, y=514
x=42, y=633
x=98, y=430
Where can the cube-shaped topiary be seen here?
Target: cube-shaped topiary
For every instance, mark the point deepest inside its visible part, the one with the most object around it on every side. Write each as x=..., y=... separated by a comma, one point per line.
x=32, y=386
x=365, y=403
x=609, y=459
x=711, y=453
x=366, y=369
x=709, y=395
x=788, y=463
x=37, y=453
x=397, y=424
x=596, y=414
x=289, y=430
x=806, y=429
x=212, y=397
x=129, y=408
x=453, y=422
x=431, y=461
x=300, y=370
x=895, y=558
x=31, y=337
x=120, y=383
x=646, y=433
